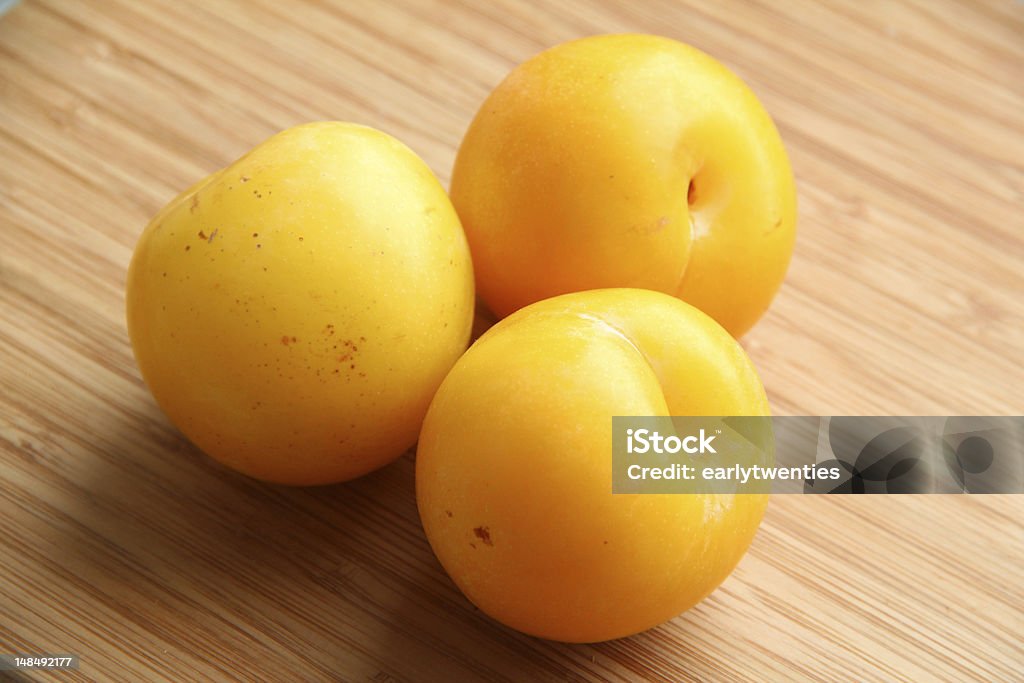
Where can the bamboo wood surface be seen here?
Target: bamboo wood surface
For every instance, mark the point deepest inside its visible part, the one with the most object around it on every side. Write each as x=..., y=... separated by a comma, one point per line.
x=122, y=543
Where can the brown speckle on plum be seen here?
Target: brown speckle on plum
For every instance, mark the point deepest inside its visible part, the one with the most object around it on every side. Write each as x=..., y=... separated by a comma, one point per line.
x=202, y=235
x=484, y=534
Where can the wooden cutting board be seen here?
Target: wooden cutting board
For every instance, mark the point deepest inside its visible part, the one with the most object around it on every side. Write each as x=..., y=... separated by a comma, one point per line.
x=125, y=545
